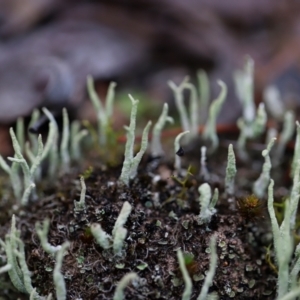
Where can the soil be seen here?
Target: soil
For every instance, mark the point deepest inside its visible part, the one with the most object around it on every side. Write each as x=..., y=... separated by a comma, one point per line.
x=163, y=219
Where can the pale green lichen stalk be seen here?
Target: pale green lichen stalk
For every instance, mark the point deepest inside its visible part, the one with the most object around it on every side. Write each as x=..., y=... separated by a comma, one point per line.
x=19, y=158
x=282, y=244
x=244, y=87
x=65, y=142
x=214, y=199
x=283, y=236
x=296, y=268
x=296, y=156
x=177, y=147
x=190, y=121
x=261, y=184
x=42, y=232
x=35, y=160
x=212, y=270
x=209, y=275
x=251, y=130
x=80, y=206
x=76, y=137
x=179, y=101
x=69, y=145
x=26, y=194
x=207, y=203
x=102, y=238
x=36, y=153
x=123, y=216
x=125, y=174
x=285, y=136
x=203, y=168
x=270, y=134
x=104, y=115
x=119, y=233
x=20, y=254
x=194, y=109
x=28, y=172
x=210, y=132
x=204, y=92
x=156, y=146
x=15, y=254
x=131, y=162
x=35, y=116
x=12, y=172
x=138, y=157
x=123, y=283
x=20, y=133
x=230, y=171
x=198, y=103
x=5, y=268
x=294, y=198
x=273, y=101
x=58, y=278
x=251, y=125
x=118, y=240
x=292, y=294
x=49, y=149
x=186, y=277
x=259, y=125
x=51, y=146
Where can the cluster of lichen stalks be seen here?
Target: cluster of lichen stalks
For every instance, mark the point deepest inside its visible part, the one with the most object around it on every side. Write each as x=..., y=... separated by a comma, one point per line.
x=252, y=125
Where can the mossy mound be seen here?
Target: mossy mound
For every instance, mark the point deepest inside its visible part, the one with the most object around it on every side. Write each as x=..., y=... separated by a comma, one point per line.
x=164, y=218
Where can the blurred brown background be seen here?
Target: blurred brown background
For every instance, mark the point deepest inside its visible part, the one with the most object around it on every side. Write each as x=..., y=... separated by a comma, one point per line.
x=48, y=47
